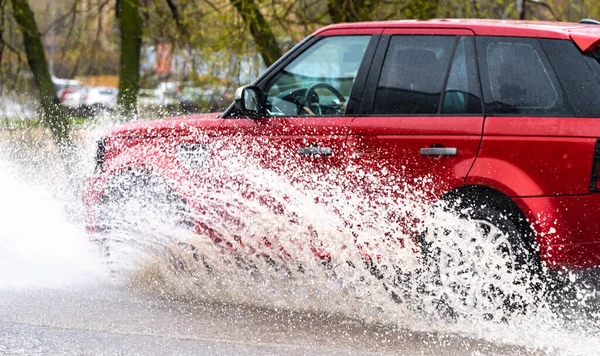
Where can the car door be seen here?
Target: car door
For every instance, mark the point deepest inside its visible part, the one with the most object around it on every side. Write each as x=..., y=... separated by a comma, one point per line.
x=308, y=101
x=420, y=123
x=306, y=104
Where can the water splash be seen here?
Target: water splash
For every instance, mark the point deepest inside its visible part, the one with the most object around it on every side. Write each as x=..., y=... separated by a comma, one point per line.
x=39, y=246
x=257, y=244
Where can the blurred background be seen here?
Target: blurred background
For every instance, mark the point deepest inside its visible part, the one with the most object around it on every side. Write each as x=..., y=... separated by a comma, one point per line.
x=149, y=58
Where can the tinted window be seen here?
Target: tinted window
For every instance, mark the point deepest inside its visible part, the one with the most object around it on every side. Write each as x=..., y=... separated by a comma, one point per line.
x=462, y=89
x=320, y=80
x=576, y=75
x=413, y=75
x=517, y=78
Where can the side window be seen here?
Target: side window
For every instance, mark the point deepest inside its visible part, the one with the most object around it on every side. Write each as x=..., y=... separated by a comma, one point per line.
x=575, y=72
x=413, y=74
x=462, y=94
x=320, y=80
x=517, y=78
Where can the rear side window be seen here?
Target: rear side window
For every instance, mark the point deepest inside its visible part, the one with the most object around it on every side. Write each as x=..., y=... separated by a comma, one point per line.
x=578, y=74
x=518, y=79
x=413, y=73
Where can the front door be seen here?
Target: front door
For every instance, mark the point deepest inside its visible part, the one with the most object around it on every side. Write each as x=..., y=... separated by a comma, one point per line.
x=295, y=146
x=420, y=128
x=307, y=106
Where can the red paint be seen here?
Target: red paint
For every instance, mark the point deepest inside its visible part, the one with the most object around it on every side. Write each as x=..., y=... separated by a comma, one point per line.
x=395, y=143
x=587, y=38
x=560, y=30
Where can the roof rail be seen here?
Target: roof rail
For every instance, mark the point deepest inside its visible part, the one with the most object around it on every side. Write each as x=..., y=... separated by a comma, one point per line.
x=590, y=21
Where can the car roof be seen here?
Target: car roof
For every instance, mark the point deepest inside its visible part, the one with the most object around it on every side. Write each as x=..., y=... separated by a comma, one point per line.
x=585, y=35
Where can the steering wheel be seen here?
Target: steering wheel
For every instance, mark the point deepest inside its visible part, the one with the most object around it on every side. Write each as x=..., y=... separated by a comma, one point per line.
x=311, y=93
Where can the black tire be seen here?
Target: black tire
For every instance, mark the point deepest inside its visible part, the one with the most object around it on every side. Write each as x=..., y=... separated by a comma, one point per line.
x=495, y=273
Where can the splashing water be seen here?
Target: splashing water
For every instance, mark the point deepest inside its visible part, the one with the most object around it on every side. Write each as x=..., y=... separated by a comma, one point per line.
x=38, y=244
x=281, y=241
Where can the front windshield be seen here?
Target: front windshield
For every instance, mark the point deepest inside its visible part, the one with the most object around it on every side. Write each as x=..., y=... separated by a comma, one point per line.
x=320, y=80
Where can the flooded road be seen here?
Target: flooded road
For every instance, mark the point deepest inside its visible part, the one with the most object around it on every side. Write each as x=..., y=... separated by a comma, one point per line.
x=111, y=320
x=58, y=297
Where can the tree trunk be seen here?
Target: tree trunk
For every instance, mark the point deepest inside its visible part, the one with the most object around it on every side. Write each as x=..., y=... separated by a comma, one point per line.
x=53, y=115
x=265, y=41
x=131, y=44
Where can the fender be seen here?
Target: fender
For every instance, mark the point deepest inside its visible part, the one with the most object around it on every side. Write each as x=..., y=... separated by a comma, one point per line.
x=510, y=180
x=159, y=159
x=503, y=176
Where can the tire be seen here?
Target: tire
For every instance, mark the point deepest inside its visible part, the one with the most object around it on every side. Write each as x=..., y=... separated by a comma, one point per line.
x=484, y=262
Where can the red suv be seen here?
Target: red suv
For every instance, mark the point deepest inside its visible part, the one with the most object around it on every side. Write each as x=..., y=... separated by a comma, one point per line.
x=500, y=117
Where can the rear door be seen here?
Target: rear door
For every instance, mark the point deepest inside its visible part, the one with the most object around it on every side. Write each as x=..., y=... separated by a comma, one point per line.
x=421, y=119
x=542, y=110
x=537, y=125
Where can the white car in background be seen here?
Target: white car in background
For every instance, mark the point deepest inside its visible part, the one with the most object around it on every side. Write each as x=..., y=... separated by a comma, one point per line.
x=92, y=100
x=65, y=86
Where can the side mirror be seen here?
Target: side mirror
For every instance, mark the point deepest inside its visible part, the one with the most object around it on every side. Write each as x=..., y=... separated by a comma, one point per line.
x=246, y=99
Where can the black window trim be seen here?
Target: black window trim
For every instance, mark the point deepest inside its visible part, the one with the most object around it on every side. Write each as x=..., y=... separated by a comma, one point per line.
x=273, y=71
x=447, y=74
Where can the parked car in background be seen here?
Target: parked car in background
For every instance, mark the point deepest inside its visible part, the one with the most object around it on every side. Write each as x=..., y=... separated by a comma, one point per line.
x=500, y=116
x=65, y=86
x=91, y=100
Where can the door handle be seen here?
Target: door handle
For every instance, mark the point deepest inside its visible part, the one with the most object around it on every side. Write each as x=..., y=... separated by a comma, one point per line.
x=315, y=151
x=438, y=151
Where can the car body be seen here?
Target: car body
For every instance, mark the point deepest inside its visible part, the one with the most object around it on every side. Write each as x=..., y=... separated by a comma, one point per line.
x=499, y=110
x=96, y=98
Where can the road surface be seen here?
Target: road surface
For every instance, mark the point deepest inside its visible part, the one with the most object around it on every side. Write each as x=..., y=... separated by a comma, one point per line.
x=113, y=320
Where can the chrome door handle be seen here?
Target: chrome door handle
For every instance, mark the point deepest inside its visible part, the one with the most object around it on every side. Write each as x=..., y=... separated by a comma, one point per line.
x=438, y=151
x=315, y=151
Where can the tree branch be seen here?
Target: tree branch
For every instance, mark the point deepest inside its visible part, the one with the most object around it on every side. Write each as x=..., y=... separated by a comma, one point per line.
x=544, y=5
x=176, y=17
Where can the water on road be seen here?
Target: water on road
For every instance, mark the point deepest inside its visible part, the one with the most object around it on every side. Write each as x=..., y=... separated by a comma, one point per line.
x=59, y=296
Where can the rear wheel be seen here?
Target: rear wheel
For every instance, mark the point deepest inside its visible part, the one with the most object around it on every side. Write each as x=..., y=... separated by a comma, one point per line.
x=483, y=261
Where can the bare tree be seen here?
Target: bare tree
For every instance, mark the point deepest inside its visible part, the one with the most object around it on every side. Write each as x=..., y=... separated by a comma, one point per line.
x=260, y=30
x=53, y=116
x=130, y=24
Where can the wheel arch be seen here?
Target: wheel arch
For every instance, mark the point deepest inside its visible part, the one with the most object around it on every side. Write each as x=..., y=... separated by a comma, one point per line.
x=469, y=195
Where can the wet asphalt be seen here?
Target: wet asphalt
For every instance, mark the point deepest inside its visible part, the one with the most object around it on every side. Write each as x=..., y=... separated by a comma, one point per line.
x=114, y=320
